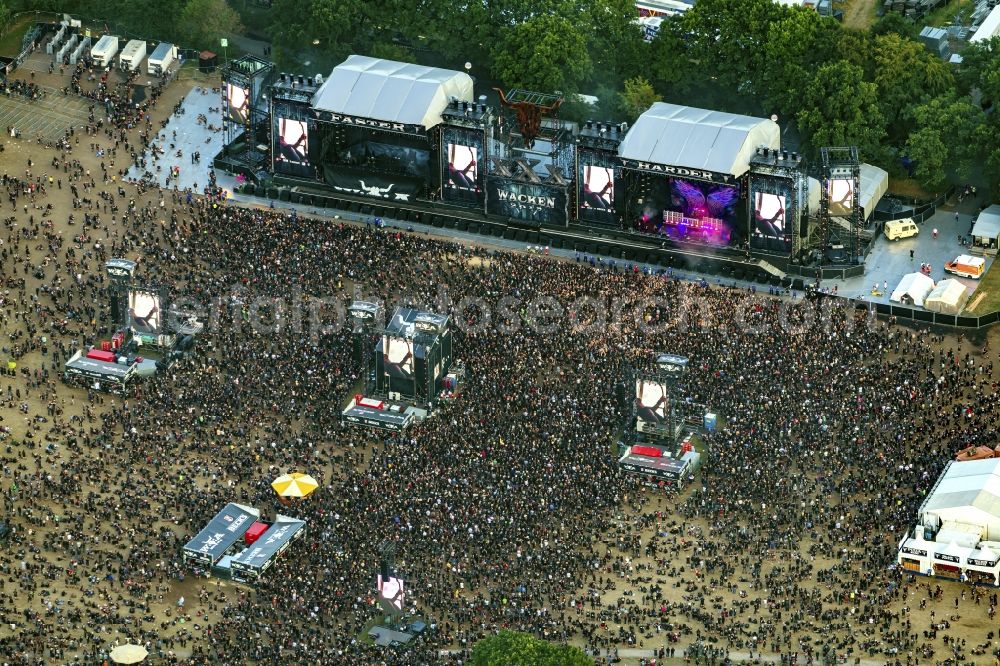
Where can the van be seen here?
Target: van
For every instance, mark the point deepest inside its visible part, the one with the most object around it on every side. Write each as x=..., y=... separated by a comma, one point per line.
x=896, y=229
x=966, y=266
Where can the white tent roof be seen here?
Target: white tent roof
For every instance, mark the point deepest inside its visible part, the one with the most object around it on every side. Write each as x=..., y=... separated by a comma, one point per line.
x=693, y=138
x=988, y=28
x=916, y=285
x=968, y=492
x=988, y=223
x=391, y=91
x=874, y=184
x=948, y=297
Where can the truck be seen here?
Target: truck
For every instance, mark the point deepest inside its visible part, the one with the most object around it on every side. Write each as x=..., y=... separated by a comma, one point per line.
x=104, y=50
x=966, y=265
x=161, y=58
x=132, y=55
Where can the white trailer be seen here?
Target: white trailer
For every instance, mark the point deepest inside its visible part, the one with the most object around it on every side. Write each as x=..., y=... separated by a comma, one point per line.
x=104, y=50
x=132, y=55
x=160, y=59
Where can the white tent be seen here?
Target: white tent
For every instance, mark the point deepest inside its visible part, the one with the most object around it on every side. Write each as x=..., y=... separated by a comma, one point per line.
x=986, y=230
x=683, y=136
x=912, y=289
x=395, y=92
x=948, y=297
x=874, y=184
x=967, y=493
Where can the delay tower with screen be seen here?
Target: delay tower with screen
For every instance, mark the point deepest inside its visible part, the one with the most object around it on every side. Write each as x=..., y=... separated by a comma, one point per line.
x=598, y=172
x=246, y=115
x=778, y=202
x=293, y=125
x=413, y=356
x=658, y=392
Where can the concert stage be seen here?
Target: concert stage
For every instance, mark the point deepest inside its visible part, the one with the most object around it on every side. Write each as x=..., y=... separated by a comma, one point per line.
x=703, y=190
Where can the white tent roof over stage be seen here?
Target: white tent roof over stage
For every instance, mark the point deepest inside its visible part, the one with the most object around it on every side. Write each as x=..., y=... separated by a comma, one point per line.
x=691, y=138
x=394, y=92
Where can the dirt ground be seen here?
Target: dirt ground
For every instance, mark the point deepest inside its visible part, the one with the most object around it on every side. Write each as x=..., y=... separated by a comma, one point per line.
x=61, y=584
x=859, y=14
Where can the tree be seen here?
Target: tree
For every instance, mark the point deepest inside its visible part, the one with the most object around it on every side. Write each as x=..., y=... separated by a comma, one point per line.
x=667, y=61
x=547, y=52
x=981, y=69
x=329, y=24
x=796, y=45
x=906, y=74
x=513, y=648
x=206, y=21
x=945, y=138
x=896, y=23
x=839, y=108
x=637, y=97
x=616, y=40
x=727, y=37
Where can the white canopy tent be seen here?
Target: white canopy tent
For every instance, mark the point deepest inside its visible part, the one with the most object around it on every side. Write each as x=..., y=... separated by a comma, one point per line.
x=683, y=136
x=986, y=230
x=912, y=289
x=968, y=493
x=874, y=185
x=391, y=91
x=948, y=297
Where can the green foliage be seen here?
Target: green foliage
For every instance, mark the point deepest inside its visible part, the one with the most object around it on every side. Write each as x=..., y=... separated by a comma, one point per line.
x=796, y=45
x=840, y=108
x=204, y=22
x=728, y=38
x=895, y=23
x=666, y=57
x=512, y=648
x=638, y=96
x=946, y=136
x=546, y=52
x=906, y=74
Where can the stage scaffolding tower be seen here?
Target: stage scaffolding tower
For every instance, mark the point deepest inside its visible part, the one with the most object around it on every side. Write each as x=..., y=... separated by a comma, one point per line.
x=840, y=165
x=248, y=143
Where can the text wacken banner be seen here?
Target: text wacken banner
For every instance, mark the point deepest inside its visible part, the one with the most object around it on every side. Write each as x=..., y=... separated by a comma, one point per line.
x=678, y=172
x=371, y=123
x=541, y=203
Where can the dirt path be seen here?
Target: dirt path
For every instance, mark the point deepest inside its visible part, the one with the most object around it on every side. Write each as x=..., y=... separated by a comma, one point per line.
x=859, y=14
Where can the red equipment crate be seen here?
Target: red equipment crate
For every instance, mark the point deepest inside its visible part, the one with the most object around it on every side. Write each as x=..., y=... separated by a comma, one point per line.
x=255, y=532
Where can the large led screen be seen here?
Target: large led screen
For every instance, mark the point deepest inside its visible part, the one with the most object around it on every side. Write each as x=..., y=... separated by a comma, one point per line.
x=397, y=355
x=650, y=401
x=144, y=312
x=463, y=167
x=238, y=103
x=769, y=215
x=690, y=210
x=391, y=592
x=293, y=141
x=841, y=196
x=598, y=188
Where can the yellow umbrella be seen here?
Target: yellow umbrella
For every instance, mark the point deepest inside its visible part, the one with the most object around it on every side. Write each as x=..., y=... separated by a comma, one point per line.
x=128, y=654
x=295, y=484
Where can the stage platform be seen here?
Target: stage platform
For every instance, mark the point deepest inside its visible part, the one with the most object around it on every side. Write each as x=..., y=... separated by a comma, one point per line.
x=385, y=636
x=192, y=137
x=388, y=415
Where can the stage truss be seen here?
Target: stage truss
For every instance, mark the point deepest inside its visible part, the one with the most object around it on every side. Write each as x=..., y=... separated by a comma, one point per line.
x=249, y=143
x=782, y=165
x=840, y=164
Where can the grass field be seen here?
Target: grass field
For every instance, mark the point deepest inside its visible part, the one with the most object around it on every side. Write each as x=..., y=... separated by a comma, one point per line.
x=989, y=290
x=946, y=14
x=10, y=40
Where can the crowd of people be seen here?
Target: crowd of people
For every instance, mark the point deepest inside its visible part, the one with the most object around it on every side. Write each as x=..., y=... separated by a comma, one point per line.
x=506, y=506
